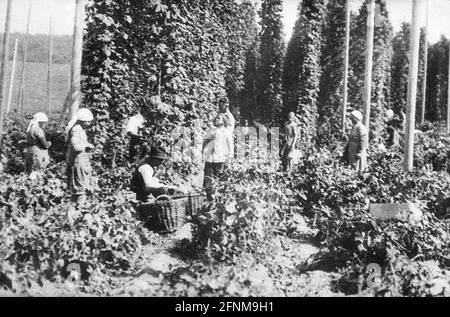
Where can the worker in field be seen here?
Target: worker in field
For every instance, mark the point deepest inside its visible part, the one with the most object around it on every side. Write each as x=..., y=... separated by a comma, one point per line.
x=358, y=143
x=218, y=149
x=289, y=153
x=134, y=129
x=224, y=111
x=79, y=170
x=36, y=145
x=393, y=126
x=145, y=182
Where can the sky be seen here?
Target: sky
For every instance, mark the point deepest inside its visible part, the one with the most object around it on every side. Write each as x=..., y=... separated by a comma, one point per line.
x=62, y=13
x=399, y=11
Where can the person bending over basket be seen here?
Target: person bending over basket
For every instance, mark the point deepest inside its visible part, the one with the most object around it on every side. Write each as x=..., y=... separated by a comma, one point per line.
x=144, y=181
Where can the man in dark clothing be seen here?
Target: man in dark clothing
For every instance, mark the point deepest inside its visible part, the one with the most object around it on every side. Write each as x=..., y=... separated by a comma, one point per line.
x=134, y=132
x=145, y=183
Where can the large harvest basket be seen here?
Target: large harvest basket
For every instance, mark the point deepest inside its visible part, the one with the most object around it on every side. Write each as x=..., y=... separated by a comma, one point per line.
x=194, y=204
x=170, y=213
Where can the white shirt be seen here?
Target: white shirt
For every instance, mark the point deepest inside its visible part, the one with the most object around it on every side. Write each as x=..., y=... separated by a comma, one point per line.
x=148, y=173
x=135, y=123
x=220, y=147
x=231, y=120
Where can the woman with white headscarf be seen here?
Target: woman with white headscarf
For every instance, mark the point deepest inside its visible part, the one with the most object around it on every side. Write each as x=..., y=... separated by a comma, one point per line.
x=36, y=151
x=79, y=170
x=358, y=143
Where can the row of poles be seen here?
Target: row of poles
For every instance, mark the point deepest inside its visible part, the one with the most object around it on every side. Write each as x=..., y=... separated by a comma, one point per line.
x=74, y=96
x=20, y=101
x=412, y=76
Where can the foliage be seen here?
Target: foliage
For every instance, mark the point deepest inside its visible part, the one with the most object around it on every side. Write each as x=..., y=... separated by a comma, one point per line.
x=400, y=68
x=243, y=45
x=270, y=69
x=186, y=52
x=340, y=199
x=248, y=208
x=249, y=93
x=42, y=231
x=381, y=63
x=332, y=80
x=291, y=69
x=16, y=132
x=437, y=80
x=432, y=149
x=310, y=70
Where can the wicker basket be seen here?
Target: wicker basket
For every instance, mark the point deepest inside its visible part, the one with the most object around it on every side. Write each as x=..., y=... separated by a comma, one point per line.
x=170, y=213
x=195, y=204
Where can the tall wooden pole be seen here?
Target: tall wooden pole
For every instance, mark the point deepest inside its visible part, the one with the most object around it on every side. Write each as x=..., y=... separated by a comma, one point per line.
x=12, y=77
x=3, y=76
x=425, y=76
x=346, y=65
x=369, y=62
x=77, y=55
x=49, y=76
x=412, y=87
x=20, y=103
x=448, y=95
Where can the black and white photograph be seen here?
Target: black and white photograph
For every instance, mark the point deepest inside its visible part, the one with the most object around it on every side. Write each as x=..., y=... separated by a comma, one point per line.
x=247, y=150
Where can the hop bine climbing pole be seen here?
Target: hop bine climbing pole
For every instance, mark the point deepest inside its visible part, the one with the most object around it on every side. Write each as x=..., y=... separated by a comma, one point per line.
x=346, y=64
x=3, y=73
x=49, y=75
x=448, y=96
x=20, y=106
x=425, y=75
x=412, y=88
x=74, y=98
x=12, y=78
x=369, y=62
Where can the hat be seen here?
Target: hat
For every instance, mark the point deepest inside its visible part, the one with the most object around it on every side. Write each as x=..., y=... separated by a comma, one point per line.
x=40, y=117
x=358, y=115
x=158, y=153
x=37, y=118
x=85, y=115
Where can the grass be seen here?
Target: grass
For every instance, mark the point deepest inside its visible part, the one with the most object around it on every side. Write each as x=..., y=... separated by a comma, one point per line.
x=35, y=87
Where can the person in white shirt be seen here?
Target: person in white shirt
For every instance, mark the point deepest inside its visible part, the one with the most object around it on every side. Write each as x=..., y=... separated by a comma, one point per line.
x=224, y=110
x=145, y=183
x=134, y=131
x=218, y=148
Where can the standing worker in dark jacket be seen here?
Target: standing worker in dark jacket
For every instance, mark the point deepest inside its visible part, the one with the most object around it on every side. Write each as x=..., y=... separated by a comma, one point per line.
x=36, y=152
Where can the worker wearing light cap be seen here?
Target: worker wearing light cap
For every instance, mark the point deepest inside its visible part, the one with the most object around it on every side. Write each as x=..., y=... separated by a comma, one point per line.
x=36, y=151
x=79, y=170
x=358, y=142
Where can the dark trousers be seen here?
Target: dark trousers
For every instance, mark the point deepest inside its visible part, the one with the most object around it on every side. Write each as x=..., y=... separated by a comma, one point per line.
x=135, y=143
x=212, y=171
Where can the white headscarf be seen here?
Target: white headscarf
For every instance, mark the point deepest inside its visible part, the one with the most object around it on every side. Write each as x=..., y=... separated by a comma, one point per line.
x=37, y=118
x=82, y=115
x=358, y=115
